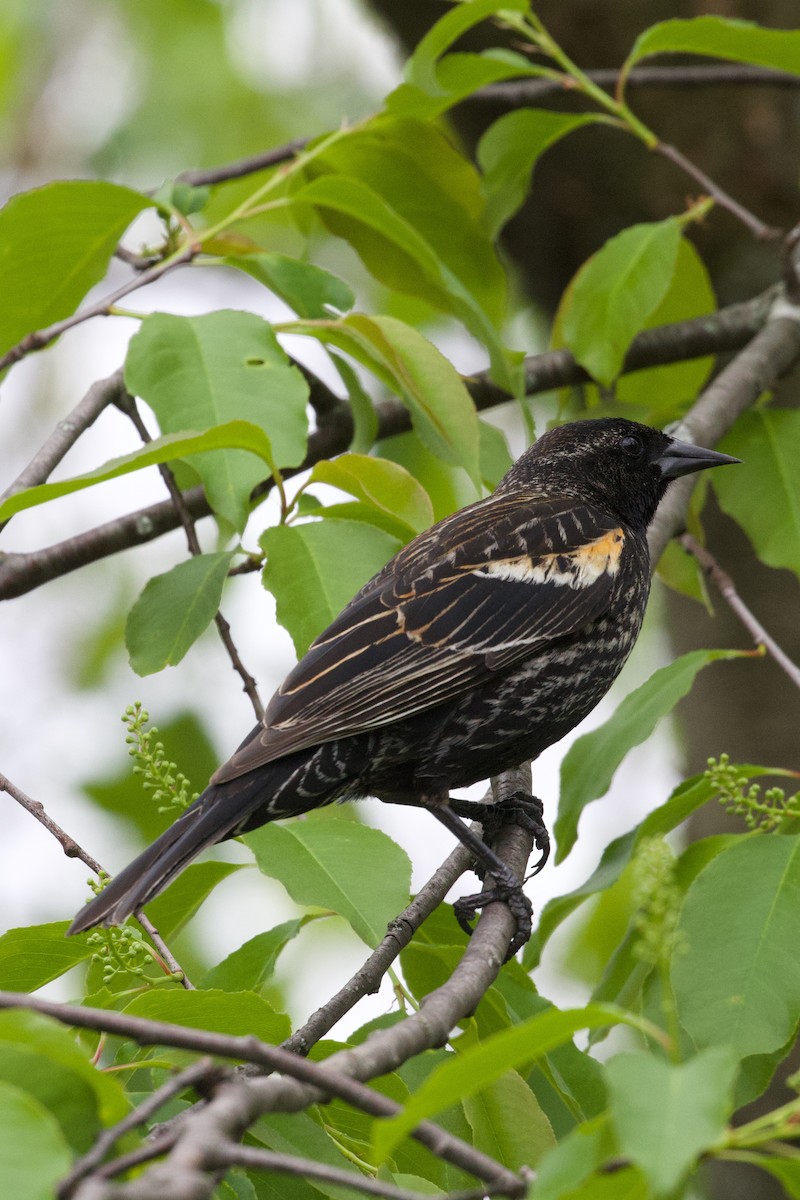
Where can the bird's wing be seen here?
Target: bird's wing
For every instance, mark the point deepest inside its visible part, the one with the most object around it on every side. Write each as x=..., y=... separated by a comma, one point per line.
x=462, y=601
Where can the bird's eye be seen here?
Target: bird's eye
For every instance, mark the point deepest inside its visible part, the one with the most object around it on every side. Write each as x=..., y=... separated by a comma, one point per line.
x=631, y=445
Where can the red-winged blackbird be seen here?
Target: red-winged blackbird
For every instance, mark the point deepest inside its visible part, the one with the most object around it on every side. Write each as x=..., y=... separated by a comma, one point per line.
x=485, y=640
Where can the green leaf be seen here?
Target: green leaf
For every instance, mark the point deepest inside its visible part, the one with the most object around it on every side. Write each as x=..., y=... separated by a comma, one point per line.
x=365, y=418
x=456, y=77
x=70, y=1099
x=173, y=610
x=199, y=372
x=514, y=1048
x=252, y=965
x=412, y=208
x=785, y=1170
x=384, y=485
x=33, y=1152
x=170, y=911
x=440, y=405
x=738, y=983
x=314, y=570
x=590, y=763
x=680, y=570
x=686, y=799
x=495, y=455
x=300, y=1135
x=576, y=1156
x=51, y=1039
x=765, y=497
x=355, y=871
x=310, y=291
x=667, y=1114
x=665, y=392
x=240, y=435
x=241, y=1014
x=421, y=67
x=416, y=170
x=507, y=1122
x=509, y=150
x=30, y=957
x=616, y=291
x=55, y=244
x=719, y=37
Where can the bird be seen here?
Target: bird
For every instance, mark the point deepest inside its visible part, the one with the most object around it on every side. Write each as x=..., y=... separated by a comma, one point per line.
x=485, y=640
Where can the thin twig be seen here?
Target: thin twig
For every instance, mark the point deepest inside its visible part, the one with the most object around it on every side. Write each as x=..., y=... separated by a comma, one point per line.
x=140, y=262
x=156, y=1147
x=319, y=1079
x=773, y=351
x=756, y=226
x=203, y=1071
x=72, y=849
x=66, y=433
x=522, y=92
x=720, y=332
x=42, y=337
x=367, y=978
x=128, y=405
x=232, y=1154
x=35, y=807
x=727, y=590
x=169, y=958
x=244, y=166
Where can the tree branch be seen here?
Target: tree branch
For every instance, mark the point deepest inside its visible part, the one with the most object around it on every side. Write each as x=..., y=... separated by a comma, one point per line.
x=244, y=166
x=729, y=329
x=73, y=850
x=523, y=92
x=757, y=227
x=66, y=433
x=204, y=1072
x=43, y=337
x=770, y=354
x=367, y=978
x=727, y=589
x=232, y=1154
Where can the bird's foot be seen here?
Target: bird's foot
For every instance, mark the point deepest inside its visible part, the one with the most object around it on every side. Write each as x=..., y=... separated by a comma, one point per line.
x=509, y=891
x=521, y=809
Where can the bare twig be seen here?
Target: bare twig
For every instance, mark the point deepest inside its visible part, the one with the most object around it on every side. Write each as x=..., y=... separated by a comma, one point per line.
x=129, y=407
x=203, y=1071
x=522, y=92
x=729, y=329
x=367, y=978
x=756, y=226
x=727, y=589
x=231, y=1154
x=37, y=810
x=308, y=1079
x=244, y=166
x=773, y=351
x=42, y=337
x=73, y=850
x=67, y=431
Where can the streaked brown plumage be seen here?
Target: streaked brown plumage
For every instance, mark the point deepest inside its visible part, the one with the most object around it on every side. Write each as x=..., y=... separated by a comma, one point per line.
x=481, y=643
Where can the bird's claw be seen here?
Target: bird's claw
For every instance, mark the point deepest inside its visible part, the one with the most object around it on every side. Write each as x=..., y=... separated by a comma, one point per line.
x=466, y=909
x=525, y=811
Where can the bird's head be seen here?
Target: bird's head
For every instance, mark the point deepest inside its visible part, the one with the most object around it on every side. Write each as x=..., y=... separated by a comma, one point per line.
x=620, y=465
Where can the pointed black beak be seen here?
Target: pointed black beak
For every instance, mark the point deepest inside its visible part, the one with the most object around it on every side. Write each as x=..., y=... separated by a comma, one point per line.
x=682, y=458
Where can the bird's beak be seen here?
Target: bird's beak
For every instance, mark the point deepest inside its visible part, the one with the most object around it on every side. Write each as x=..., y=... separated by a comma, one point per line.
x=682, y=458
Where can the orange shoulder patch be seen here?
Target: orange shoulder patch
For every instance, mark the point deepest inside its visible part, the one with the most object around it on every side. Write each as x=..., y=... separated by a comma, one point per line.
x=600, y=556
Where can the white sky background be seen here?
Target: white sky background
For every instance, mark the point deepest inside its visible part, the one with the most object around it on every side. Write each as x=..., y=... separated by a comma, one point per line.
x=54, y=736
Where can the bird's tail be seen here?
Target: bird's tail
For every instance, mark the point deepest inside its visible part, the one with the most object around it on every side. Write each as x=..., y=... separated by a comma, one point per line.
x=218, y=813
